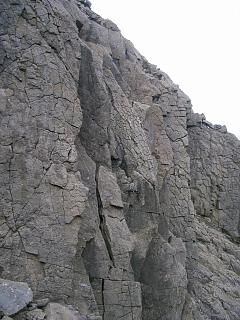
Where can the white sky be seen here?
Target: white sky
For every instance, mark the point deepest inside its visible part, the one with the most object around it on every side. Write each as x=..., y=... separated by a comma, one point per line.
x=196, y=42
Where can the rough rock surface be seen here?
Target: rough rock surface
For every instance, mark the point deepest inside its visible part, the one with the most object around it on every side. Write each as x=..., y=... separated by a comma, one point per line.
x=36, y=314
x=55, y=311
x=115, y=197
x=14, y=296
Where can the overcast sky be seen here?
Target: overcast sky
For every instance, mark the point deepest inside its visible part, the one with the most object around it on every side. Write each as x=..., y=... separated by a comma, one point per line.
x=196, y=42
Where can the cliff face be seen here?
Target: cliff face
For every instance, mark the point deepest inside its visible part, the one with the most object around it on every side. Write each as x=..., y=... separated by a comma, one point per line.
x=116, y=198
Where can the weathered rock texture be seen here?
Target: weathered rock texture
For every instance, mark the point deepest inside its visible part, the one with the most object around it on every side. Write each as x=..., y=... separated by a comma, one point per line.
x=116, y=198
x=14, y=296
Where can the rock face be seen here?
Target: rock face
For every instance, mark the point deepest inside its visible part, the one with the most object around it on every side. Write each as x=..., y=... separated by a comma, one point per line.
x=116, y=198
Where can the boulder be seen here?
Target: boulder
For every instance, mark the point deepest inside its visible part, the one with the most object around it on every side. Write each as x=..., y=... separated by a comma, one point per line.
x=14, y=296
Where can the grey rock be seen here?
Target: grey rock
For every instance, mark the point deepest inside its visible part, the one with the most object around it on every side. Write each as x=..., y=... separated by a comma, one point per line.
x=208, y=124
x=196, y=119
x=55, y=311
x=42, y=302
x=14, y=296
x=36, y=314
x=32, y=306
x=116, y=198
x=86, y=3
x=109, y=190
x=222, y=129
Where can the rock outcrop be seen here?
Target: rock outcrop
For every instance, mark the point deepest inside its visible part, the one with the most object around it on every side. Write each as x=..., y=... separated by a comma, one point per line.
x=117, y=201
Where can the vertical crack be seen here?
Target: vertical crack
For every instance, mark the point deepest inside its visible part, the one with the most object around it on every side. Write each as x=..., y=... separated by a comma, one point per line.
x=102, y=225
x=103, y=303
